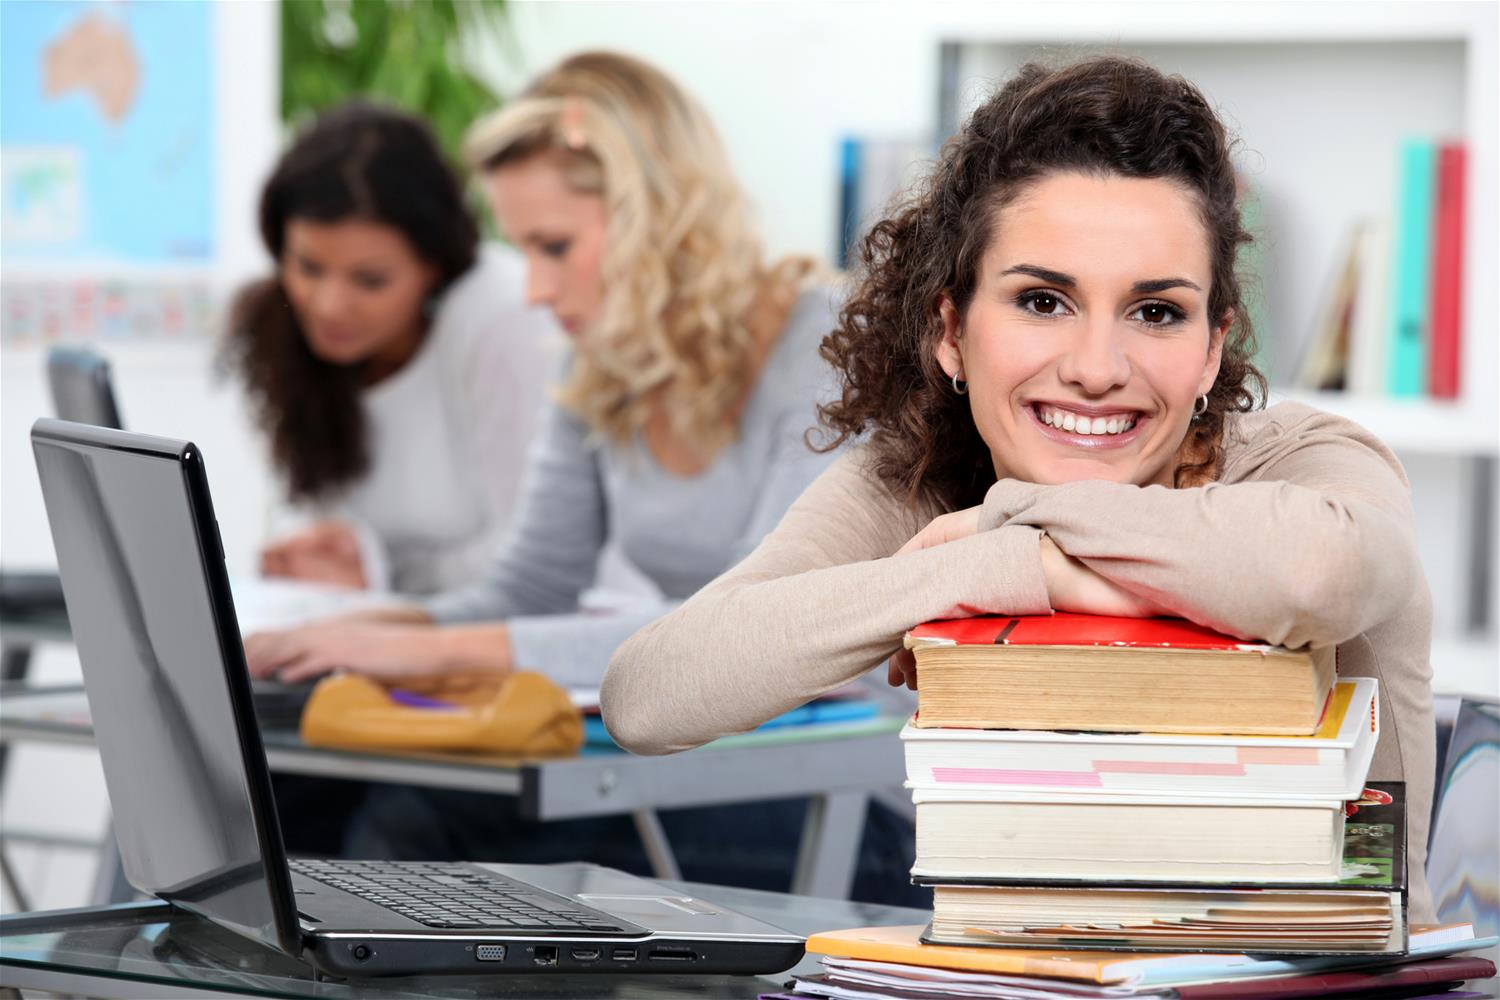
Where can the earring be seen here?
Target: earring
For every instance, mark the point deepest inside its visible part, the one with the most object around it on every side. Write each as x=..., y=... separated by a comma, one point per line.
x=959, y=385
x=1200, y=407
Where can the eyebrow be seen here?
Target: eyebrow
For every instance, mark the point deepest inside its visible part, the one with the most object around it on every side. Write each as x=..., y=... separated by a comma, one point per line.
x=1148, y=287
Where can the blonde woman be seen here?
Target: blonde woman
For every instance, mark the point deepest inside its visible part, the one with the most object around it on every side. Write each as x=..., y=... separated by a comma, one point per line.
x=678, y=431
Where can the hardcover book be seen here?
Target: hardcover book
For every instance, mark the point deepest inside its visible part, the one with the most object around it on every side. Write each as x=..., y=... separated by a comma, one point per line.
x=1099, y=673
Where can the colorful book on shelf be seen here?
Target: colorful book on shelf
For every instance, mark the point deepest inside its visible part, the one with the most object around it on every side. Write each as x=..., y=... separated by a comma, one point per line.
x=1447, y=273
x=1098, y=673
x=1363, y=911
x=1331, y=762
x=1325, y=357
x=1406, y=358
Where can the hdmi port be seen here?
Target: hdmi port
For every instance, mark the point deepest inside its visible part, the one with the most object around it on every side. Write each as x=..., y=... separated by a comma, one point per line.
x=585, y=954
x=671, y=955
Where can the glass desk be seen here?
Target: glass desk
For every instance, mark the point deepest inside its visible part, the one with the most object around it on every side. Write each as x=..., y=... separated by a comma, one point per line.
x=148, y=950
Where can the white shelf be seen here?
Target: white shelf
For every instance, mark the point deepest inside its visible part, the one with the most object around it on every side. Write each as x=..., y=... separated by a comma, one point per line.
x=1466, y=666
x=1427, y=426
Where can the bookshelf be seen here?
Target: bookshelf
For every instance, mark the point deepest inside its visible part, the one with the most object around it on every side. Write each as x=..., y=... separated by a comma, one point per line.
x=1321, y=95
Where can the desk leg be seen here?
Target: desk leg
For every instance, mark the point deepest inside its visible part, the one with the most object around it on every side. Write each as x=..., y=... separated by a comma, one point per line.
x=15, y=663
x=830, y=845
x=658, y=850
x=110, y=885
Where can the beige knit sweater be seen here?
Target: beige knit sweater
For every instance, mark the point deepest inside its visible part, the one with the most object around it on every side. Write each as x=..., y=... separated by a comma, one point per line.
x=1307, y=537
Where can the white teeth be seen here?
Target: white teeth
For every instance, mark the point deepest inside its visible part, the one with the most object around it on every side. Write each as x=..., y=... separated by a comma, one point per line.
x=1078, y=424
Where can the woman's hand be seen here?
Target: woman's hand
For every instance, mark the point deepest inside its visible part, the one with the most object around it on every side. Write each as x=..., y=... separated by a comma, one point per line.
x=902, y=669
x=327, y=552
x=1072, y=586
x=386, y=651
x=944, y=528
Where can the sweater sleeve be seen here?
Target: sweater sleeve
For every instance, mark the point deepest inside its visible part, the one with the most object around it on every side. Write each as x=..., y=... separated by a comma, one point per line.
x=499, y=363
x=819, y=602
x=1312, y=543
x=552, y=552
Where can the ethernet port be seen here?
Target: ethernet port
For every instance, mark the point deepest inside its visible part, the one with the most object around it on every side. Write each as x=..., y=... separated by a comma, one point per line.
x=544, y=954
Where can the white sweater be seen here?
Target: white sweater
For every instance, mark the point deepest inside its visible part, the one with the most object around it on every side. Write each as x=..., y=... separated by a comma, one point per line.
x=449, y=433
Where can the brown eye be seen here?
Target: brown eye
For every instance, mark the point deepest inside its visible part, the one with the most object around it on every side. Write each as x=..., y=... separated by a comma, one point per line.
x=1044, y=304
x=1154, y=314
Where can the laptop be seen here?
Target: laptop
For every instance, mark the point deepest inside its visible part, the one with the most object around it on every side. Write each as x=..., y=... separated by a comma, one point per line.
x=143, y=571
x=81, y=387
x=81, y=391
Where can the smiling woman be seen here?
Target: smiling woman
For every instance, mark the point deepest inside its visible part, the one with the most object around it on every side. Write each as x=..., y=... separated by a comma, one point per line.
x=1046, y=368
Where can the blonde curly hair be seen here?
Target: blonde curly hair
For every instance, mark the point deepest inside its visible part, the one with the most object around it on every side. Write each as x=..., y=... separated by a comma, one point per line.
x=684, y=272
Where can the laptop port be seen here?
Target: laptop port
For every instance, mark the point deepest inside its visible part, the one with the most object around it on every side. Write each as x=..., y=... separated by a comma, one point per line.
x=490, y=952
x=623, y=954
x=544, y=954
x=671, y=955
x=585, y=954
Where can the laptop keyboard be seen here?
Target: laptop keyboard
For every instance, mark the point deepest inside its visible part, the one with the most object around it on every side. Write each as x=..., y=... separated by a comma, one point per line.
x=458, y=896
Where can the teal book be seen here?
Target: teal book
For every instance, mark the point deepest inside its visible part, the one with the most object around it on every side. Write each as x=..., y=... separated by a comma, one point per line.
x=1410, y=330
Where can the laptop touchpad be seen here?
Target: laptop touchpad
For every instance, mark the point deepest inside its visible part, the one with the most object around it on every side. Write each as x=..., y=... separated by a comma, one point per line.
x=647, y=907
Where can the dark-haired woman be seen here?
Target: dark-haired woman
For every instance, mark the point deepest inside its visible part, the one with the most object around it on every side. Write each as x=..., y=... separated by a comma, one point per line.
x=1049, y=356
x=392, y=360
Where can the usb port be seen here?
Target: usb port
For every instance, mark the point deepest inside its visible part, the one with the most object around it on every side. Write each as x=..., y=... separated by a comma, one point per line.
x=623, y=954
x=585, y=954
x=490, y=953
x=544, y=954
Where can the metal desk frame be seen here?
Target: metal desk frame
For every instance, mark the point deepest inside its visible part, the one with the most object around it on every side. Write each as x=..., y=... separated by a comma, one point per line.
x=837, y=772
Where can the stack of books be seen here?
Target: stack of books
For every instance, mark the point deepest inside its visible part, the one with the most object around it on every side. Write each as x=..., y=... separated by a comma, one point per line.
x=1127, y=802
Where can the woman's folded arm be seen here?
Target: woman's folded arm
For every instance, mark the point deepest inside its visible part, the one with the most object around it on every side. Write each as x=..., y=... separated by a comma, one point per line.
x=1313, y=541
x=818, y=603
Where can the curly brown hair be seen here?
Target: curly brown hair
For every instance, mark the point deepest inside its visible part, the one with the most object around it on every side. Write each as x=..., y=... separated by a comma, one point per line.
x=358, y=161
x=1105, y=115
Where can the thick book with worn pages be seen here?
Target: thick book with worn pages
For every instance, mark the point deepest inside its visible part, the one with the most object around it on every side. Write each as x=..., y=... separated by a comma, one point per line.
x=1331, y=763
x=1097, y=673
x=1362, y=912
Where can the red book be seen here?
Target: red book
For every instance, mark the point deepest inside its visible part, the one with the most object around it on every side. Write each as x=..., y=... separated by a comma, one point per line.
x=1092, y=672
x=1067, y=629
x=1447, y=273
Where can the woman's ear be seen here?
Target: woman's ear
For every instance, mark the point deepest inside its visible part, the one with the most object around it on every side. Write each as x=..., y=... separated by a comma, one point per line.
x=1215, y=352
x=949, y=357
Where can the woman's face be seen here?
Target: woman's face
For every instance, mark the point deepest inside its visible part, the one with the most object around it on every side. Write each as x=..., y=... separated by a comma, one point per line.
x=1088, y=339
x=357, y=288
x=561, y=231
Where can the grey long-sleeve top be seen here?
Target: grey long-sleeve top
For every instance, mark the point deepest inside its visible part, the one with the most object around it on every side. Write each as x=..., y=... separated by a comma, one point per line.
x=680, y=531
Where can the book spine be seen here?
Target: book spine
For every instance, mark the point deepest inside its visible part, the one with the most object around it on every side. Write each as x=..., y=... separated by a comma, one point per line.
x=1367, y=327
x=1406, y=370
x=1447, y=273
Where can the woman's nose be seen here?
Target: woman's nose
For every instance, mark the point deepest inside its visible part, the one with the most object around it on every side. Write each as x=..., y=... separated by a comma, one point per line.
x=541, y=287
x=1096, y=361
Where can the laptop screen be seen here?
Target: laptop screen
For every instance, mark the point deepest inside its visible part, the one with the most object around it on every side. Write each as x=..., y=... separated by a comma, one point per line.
x=147, y=597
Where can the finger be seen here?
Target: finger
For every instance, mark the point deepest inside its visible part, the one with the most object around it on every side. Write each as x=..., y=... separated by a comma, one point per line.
x=306, y=667
x=894, y=675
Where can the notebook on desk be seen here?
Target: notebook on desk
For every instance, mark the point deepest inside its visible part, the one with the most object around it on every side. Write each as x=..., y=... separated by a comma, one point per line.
x=163, y=663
